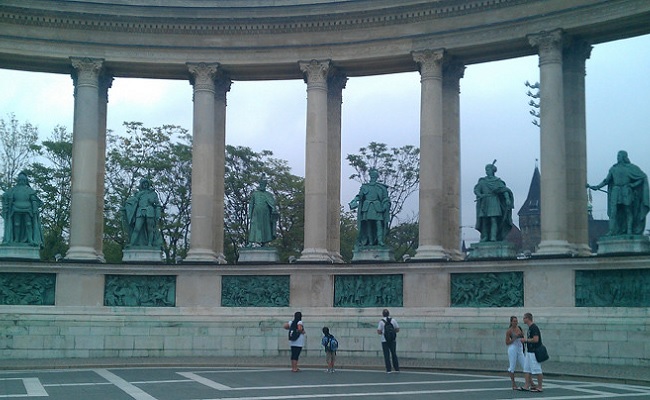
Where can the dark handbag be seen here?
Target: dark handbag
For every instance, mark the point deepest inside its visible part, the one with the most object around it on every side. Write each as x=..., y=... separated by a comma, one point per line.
x=541, y=354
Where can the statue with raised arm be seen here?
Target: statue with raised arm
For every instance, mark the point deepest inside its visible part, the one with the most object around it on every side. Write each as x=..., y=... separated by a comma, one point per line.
x=263, y=215
x=494, y=203
x=373, y=211
x=21, y=213
x=141, y=215
x=627, y=197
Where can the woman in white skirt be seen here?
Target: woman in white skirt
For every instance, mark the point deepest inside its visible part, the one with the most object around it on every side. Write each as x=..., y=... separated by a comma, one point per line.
x=515, y=349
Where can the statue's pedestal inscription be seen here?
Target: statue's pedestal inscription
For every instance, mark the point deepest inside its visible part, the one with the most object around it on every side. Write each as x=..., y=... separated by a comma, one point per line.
x=373, y=254
x=623, y=244
x=17, y=252
x=142, y=255
x=492, y=250
x=262, y=255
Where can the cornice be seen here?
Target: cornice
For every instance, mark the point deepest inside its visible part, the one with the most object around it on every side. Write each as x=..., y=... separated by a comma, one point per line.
x=210, y=21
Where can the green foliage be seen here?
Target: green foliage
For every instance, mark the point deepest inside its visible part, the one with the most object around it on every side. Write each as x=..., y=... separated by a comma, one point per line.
x=17, y=149
x=398, y=169
x=403, y=239
x=348, y=233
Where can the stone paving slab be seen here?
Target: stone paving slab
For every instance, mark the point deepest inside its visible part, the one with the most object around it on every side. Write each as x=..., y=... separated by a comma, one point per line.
x=638, y=375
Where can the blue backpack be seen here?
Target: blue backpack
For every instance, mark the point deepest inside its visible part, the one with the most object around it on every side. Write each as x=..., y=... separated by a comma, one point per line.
x=332, y=344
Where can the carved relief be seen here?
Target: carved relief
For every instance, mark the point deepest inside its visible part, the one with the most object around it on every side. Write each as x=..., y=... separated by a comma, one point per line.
x=140, y=291
x=613, y=288
x=500, y=289
x=368, y=291
x=27, y=289
x=255, y=291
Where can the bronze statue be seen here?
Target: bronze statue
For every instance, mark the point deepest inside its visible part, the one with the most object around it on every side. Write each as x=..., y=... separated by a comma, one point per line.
x=373, y=211
x=263, y=215
x=627, y=197
x=141, y=214
x=20, y=210
x=494, y=203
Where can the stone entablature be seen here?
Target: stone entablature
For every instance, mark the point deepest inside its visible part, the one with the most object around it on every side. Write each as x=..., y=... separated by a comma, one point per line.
x=359, y=38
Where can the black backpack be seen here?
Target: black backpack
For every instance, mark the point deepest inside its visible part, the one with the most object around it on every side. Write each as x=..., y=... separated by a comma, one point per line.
x=294, y=333
x=390, y=334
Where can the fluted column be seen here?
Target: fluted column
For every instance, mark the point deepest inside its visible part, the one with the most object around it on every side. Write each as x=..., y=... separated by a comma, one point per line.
x=85, y=153
x=222, y=86
x=316, y=157
x=105, y=83
x=452, y=72
x=335, y=86
x=575, y=56
x=204, y=173
x=432, y=199
x=554, y=204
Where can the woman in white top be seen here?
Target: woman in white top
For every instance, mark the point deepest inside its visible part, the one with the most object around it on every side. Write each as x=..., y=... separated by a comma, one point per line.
x=298, y=342
x=515, y=349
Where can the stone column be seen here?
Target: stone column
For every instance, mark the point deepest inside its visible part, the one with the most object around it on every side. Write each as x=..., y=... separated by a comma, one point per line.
x=105, y=83
x=203, y=164
x=316, y=170
x=452, y=72
x=575, y=56
x=336, y=84
x=432, y=198
x=554, y=204
x=222, y=86
x=85, y=153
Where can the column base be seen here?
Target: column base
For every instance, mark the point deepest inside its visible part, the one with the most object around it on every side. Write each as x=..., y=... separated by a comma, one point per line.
x=83, y=254
x=321, y=256
x=336, y=258
x=204, y=256
x=455, y=255
x=582, y=250
x=555, y=248
x=431, y=252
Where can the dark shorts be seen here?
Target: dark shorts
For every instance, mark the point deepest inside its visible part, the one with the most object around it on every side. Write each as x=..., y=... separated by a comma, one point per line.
x=295, y=352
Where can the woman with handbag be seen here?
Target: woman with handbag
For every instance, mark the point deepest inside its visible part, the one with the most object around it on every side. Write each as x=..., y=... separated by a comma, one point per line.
x=515, y=349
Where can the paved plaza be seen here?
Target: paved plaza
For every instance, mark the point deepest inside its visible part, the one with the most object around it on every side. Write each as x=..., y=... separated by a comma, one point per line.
x=274, y=383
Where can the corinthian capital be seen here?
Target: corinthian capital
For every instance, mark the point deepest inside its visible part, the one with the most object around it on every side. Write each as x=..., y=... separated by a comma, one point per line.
x=202, y=75
x=429, y=62
x=86, y=71
x=315, y=72
x=549, y=45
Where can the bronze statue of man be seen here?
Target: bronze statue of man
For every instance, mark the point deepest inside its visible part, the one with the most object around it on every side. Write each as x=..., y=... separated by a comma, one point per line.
x=373, y=211
x=141, y=214
x=21, y=213
x=263, y=215
x=627, y=197
x=494, y=203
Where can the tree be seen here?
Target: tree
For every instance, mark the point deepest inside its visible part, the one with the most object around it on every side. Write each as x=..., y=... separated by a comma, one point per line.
x=17, y=149
x=349, y=232
x=52, y=180
x=164, y=155
x=404, y=238
x=398, y=169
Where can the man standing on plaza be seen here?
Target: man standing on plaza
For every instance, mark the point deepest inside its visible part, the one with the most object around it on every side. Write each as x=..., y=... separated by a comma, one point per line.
x=388, y=329
x=531, y=366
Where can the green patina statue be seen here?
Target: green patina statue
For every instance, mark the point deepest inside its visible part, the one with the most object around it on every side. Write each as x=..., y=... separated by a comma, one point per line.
x=494, y=203
x=373, y=212
x=20, y=210
x=263, y=215
x=141, y=214
x=627, y=197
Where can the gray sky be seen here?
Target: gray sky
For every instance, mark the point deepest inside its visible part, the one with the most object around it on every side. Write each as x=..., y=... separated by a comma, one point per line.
x=495, y=123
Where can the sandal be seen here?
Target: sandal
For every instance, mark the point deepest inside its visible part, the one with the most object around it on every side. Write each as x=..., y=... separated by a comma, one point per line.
x=537, y=390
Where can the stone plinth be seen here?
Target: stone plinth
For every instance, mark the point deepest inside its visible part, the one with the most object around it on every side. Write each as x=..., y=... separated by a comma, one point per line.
x=261, y=255
x=492, y=250
x=142, y=255
x=623, y=244
x=15, y=252
x=373, y=254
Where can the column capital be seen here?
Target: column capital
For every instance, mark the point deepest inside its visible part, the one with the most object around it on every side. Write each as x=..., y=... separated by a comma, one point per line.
x=549, y=45
x=105, y=83
x=336, y=81
x=222, y=83
x=576, y=52
x=429, y=62
x=202, y=75
x=315, y=72
x=86, y=70
x=453, y=71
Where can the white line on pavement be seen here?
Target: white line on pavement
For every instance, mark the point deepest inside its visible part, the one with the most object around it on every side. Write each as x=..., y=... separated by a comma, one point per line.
x=204, y=381
x=128, y=388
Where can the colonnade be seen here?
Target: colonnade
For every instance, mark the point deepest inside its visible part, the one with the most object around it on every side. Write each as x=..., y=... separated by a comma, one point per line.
x=563, y=155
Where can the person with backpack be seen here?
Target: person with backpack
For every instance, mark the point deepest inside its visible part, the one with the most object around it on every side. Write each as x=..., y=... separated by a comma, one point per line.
x=296, y=339
x=388, y=329
x=331, y=345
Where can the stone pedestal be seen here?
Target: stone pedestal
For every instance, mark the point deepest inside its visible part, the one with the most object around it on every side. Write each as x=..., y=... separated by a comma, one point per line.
x=258, y=255
x=623, y=244
x=14, y=252
x=492, y=250
x=142, y=255
x=373, y=254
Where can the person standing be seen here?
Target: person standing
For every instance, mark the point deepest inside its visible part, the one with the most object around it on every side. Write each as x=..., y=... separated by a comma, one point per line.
x=389, y=340
x=515, y=349
x=330, y=344
x=531, y=366
x=296, y=339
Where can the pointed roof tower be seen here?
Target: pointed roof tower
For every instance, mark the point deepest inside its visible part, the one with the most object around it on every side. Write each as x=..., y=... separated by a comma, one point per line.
x=532, y=204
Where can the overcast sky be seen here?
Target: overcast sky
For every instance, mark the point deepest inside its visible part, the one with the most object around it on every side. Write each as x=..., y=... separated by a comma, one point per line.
x=495, y=123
